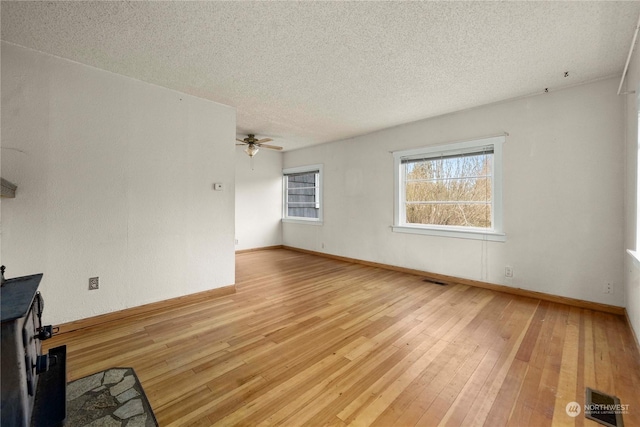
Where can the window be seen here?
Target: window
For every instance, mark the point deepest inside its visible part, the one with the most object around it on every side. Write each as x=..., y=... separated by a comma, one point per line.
x=303, y=193
x=451, y=190
x=635, y=254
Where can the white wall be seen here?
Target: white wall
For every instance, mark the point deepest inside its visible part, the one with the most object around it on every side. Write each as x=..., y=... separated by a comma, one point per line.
x=114, y=180
x=632, y=266
x=258, y=199
x=563, y=195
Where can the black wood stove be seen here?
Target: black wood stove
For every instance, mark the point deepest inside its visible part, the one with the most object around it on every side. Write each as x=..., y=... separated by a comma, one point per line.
x=33, y=384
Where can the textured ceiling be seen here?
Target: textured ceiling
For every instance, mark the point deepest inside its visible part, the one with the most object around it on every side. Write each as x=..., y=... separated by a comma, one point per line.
x=311, y=72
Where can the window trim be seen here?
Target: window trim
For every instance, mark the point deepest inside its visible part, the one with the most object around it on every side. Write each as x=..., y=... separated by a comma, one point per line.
x=496, y=233
x=635, y=253
x=319, y=195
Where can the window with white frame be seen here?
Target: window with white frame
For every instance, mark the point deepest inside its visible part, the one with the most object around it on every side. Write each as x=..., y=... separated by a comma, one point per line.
x=302, y=187
x=635, y=253
x=450, y=190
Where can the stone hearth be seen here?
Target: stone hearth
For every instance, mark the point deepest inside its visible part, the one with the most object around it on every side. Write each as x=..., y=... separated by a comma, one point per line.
x=108, y=398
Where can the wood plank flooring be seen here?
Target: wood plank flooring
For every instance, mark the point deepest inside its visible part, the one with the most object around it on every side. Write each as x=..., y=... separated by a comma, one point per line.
x=309, y=341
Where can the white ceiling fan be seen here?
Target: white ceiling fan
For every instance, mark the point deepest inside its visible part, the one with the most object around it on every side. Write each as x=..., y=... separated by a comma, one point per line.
x=253, y=144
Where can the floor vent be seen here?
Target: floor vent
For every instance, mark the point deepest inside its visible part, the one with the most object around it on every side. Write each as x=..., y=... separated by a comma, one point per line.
x=603, y=408
x=435, y=282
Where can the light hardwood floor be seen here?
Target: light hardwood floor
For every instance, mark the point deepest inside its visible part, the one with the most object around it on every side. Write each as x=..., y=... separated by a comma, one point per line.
x=311, y=341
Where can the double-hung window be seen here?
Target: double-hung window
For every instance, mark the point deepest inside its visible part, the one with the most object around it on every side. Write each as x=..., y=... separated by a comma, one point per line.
x=450, y=190
x=302, y=193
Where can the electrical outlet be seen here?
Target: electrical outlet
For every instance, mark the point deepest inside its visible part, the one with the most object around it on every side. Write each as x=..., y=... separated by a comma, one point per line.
x=94, y=283
x=608, y=288
x=236, y=241
x=508, y=271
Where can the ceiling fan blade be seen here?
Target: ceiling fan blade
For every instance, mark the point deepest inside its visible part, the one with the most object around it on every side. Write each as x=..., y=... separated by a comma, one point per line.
x=240, y=140
x=260, y=141
x=241, y=144
x=273, y=147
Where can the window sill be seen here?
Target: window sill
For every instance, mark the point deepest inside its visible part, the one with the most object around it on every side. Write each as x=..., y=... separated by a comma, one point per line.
x=302, y=221
x=491, y=236
x=635, y=256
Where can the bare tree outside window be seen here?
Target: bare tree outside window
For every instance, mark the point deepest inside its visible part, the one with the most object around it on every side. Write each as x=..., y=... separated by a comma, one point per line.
x=451, y=190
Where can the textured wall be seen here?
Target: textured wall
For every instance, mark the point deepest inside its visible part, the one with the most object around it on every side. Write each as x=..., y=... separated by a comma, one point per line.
x=563, y=195
x=114, y=180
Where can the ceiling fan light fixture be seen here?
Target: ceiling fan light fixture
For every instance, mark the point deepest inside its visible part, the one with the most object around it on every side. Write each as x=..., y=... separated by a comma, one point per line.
x=251, y=150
